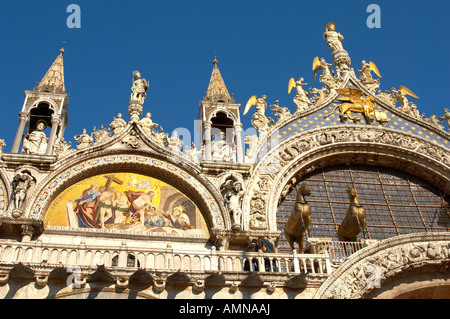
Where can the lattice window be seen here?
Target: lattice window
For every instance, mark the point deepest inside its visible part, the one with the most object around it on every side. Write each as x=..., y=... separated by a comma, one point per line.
x=396, y=202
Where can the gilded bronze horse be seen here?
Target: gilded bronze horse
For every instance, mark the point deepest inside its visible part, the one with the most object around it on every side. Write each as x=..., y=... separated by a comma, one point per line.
x=355, y=220
x=300, y=219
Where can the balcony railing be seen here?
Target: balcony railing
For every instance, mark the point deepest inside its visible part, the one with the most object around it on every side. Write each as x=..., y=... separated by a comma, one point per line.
x=338, y=251
x=160, y=259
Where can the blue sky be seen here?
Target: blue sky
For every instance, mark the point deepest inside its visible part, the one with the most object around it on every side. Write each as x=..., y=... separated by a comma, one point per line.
x=260, y=45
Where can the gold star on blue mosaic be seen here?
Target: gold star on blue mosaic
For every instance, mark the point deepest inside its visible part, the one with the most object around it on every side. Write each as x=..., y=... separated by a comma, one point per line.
x=317, y=120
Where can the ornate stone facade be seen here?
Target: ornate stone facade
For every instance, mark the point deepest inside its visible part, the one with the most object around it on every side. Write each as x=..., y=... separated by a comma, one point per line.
x=372, y=267
x=195, y=221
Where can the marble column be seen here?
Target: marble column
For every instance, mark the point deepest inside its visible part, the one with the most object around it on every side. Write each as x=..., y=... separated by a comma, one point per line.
x=207, y=138
x=237, y=132
x=23, y=116
x=51, y=140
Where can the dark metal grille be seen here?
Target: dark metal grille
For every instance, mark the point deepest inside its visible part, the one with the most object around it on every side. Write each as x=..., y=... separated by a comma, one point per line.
x=396, y=202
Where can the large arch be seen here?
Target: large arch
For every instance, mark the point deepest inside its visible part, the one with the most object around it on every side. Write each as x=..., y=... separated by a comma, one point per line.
x=5, y=190
x=108, y=162
x=283, y=166
x=427, y=285
x=375, y=271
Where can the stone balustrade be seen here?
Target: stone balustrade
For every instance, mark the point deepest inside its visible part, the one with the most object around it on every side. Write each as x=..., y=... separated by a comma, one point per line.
x=162, y=259
x=339, y=251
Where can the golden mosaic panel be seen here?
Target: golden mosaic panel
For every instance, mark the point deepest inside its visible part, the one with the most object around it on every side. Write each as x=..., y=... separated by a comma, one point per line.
x=128, y=202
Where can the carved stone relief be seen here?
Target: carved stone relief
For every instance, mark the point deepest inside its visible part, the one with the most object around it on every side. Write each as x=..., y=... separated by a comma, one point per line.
x=257, y=216
x=371, y=267
x=292, y=149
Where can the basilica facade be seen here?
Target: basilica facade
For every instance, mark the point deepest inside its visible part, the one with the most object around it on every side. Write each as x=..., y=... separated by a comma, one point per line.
x=347, y=197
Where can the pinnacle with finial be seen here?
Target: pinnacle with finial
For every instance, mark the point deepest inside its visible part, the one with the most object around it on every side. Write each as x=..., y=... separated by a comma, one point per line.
x=53, y=80
x=217, y=89
x=61, y=51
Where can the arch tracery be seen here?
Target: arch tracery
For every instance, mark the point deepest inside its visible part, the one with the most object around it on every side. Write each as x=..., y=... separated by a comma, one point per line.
x=374, y=266
x=170, y=173
x=328, y=146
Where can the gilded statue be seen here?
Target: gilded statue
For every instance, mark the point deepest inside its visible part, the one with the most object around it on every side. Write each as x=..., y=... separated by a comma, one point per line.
x=366, y=77
x=400, y=96
x=326, y=78
x=366, y=70
x=354, y=221
x=300, y=219
x=301, y=100
x=259, y=119
x=353, y=101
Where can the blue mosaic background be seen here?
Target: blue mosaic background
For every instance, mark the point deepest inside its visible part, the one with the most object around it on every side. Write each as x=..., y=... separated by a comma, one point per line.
x=317, y=120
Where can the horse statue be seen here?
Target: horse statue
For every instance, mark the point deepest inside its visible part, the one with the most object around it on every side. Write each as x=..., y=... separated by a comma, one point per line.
x=355, y=220
x=300, y=219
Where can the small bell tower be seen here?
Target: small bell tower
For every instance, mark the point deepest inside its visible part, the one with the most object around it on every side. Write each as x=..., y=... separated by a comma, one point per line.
x=221, y=128
x=46, y=106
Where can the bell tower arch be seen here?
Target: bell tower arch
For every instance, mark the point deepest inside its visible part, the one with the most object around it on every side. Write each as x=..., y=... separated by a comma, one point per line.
x=46, y=106
x=220, y=123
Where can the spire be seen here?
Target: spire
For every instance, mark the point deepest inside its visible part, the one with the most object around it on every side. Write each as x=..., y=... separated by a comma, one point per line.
x=217, y=91
x=53, y=80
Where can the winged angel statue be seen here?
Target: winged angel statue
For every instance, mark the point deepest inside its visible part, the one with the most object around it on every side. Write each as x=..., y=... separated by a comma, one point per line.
x=400, y=95
x=259, y=120
x=366, y=76
x=353, y=101
x=366, y=70
x=301, y=100
x=327, y=77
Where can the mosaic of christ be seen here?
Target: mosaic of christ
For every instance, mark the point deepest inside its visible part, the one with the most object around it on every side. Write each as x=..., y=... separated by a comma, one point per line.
x=125, y=201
